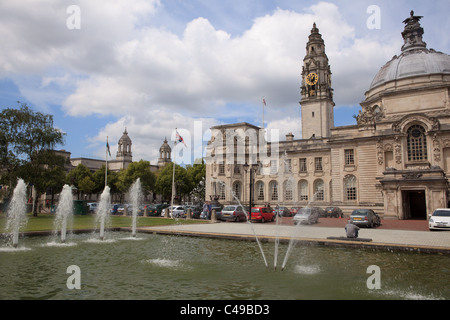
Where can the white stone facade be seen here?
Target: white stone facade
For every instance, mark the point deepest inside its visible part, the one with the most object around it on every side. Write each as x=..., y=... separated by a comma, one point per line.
x=395, y=159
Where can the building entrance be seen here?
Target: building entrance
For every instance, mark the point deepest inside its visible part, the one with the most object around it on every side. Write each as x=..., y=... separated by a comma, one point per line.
x=414, y=205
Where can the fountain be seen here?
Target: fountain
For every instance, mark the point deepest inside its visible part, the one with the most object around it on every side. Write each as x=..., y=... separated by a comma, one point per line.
x=64, y=212
x=135, y=196
x=17, y=212
x=167, y=267
x=248, y=222
x=292, y=240
x=104, y=208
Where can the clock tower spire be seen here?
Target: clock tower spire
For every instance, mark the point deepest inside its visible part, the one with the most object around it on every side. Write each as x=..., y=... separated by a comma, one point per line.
x=317, y=95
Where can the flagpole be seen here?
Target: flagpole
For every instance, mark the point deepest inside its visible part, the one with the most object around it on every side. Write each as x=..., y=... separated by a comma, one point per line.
x=263, y=105
x=106, y=167
x=173, y=173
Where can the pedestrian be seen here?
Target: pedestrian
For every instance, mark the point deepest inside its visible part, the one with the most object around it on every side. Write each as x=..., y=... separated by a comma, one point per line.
x=209, y=210
x=351, y=230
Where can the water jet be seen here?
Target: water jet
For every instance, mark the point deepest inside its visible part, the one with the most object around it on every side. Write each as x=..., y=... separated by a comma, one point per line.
x=135, y=195
x=64, y=212
x=17, y=212
x=103, y=211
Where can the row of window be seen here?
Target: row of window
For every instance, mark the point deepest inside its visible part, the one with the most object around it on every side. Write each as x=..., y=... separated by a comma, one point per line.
x=416, y=148
x=287, y=166
x=287, y=192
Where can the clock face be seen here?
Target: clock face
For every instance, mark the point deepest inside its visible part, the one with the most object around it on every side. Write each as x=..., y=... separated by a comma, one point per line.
x=312, y=79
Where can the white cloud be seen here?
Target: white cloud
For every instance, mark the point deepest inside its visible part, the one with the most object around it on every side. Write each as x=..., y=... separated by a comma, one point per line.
x=153, y=80
x=148, y=132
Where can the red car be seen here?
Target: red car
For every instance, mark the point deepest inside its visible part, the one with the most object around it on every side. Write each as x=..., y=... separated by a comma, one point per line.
x=262, y=214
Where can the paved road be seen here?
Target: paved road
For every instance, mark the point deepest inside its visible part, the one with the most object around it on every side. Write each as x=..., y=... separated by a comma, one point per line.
x=392, y=239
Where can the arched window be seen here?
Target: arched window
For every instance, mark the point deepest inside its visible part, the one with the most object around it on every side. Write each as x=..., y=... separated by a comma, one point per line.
x=319, y=190
x=417, y=143
x=221, y=191
x=350, y=187
x=237, y=190
x=303, y=190
x=260, y=190
x=287, y=187
x=274, y=191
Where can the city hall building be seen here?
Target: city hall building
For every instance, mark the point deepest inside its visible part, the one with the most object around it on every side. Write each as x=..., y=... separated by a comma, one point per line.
x=394, y=160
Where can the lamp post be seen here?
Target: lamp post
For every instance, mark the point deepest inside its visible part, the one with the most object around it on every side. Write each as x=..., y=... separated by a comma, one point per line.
x=246, y=168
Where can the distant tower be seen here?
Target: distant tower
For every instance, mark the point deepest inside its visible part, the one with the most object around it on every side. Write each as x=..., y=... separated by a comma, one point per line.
x=164, y=154
x=124, y=148
x=317, y=95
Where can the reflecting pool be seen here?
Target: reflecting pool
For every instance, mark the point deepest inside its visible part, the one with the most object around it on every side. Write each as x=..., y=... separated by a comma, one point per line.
x=176, y=267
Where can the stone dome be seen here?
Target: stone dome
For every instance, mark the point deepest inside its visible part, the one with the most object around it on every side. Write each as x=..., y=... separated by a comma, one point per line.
x=415, y=59
x=165, y=147
x=412, y=63
x=125, y=136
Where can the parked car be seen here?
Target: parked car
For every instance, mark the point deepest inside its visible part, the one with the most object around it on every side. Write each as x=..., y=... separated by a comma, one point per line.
x=294, y=211
x=233, y=213
x=334, y=212
x=93, y=206
x=218, y=210
x=282, y=212
x=195, y=211
x=365, y=217
x=439, y=220
x=178, y=212
x=121, y=209
x=308, y=215
x=156, y=210
x=262, y=214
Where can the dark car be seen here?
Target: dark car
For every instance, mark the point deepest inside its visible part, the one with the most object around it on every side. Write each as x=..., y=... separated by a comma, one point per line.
x=365, y=217
x=334, y=212
x=218, y=209
x=195, y=211
x=282, y=212
x=156, y=210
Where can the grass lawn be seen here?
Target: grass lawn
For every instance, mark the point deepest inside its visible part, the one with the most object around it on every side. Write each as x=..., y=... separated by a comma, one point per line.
x=44, y=222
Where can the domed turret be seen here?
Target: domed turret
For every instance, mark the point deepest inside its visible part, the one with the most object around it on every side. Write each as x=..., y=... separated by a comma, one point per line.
x=416, y=81
x=164, y=154
x=124, y=148
x=415, y=59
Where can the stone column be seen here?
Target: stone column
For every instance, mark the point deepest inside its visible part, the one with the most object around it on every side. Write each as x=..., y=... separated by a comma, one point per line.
x=188, y=214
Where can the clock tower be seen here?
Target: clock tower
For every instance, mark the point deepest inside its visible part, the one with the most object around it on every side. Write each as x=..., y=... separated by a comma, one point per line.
x=317, y=95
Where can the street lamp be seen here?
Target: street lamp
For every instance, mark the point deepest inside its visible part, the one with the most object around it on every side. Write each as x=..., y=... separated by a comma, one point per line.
x=246, y=168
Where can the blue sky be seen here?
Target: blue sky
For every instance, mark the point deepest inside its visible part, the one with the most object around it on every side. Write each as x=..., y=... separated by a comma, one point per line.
x=153, y=65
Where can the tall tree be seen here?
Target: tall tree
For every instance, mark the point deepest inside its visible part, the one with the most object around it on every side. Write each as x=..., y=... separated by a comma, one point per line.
x=135, y=170
x=163, y=183
x=28, y=139
x=197, y=176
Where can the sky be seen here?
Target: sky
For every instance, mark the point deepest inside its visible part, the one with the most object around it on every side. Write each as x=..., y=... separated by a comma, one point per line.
x=150, y=66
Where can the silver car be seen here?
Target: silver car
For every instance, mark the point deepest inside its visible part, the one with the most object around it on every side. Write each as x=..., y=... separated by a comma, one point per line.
x=365, y=217
x=307, y=216
x=233, y=213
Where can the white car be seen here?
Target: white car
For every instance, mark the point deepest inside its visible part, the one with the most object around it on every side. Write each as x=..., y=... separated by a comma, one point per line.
x=440, y=219
x=178, y=212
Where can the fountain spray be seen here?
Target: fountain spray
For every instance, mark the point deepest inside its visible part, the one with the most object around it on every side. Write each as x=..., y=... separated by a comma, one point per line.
x=135, y=196
x=103, y=211
x=64, y=212
x=17, y=212
x=249, y=223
